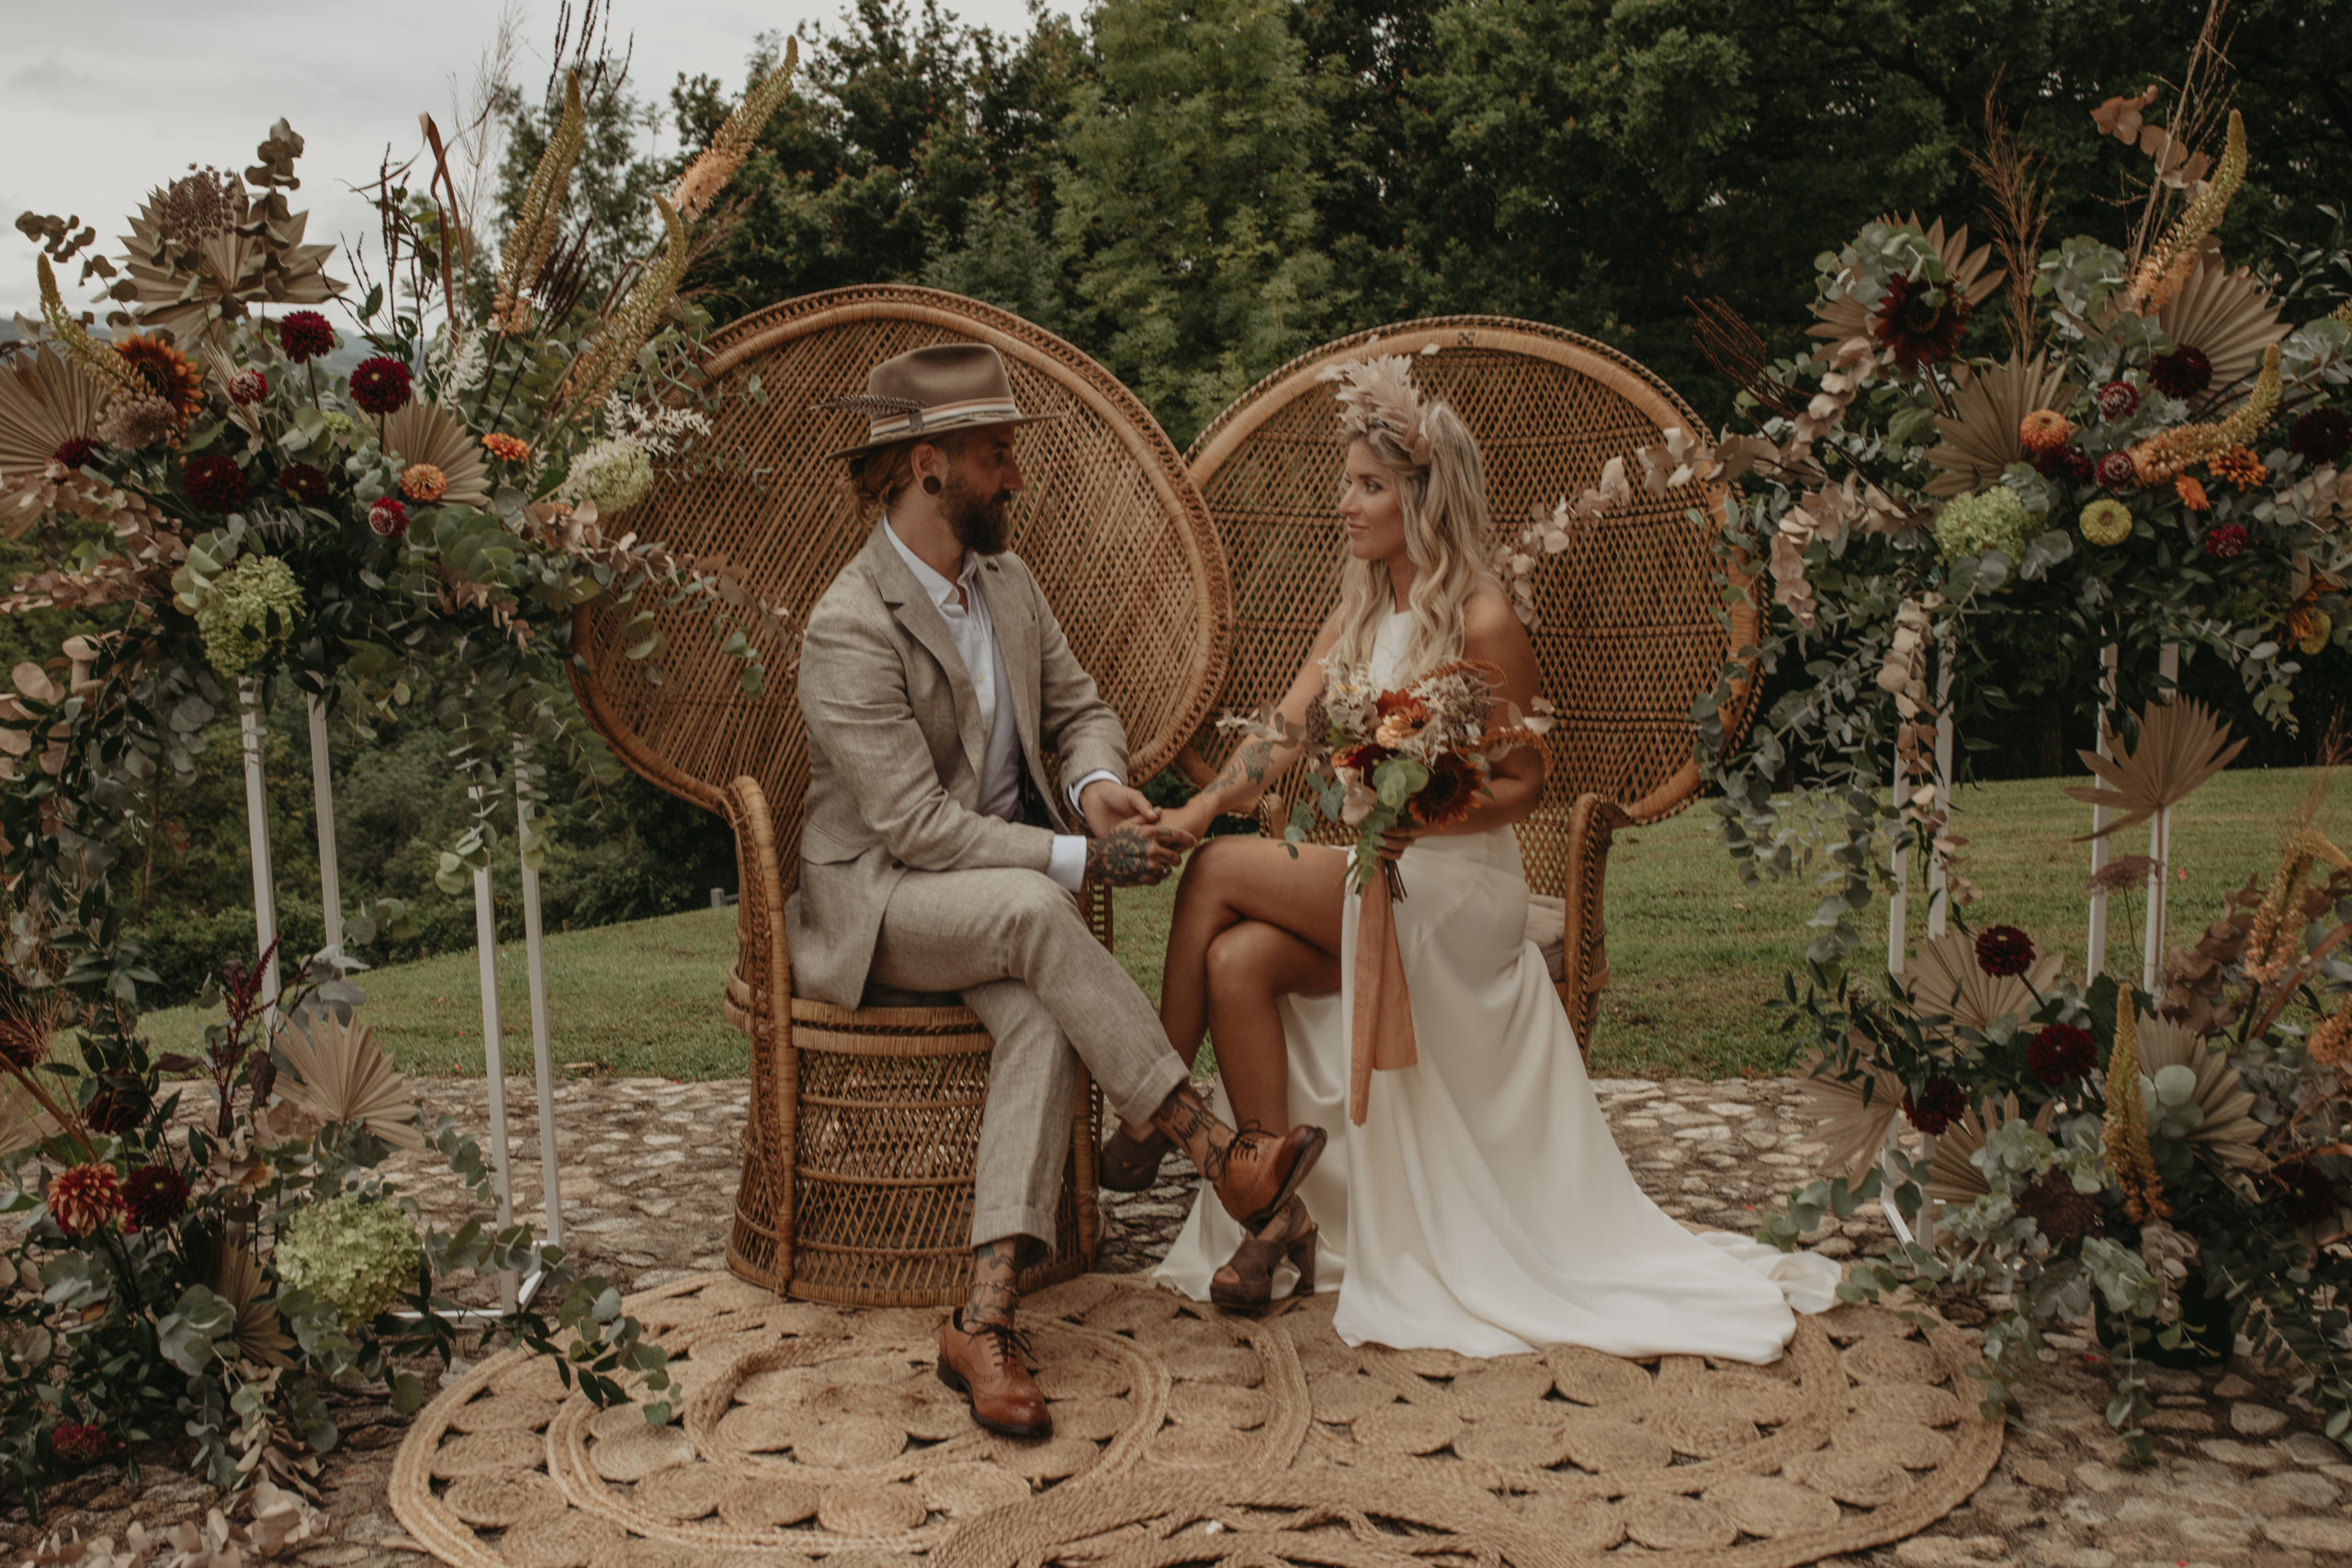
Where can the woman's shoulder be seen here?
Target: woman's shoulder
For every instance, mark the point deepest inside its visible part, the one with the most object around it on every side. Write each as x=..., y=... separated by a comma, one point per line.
x=1487, y=616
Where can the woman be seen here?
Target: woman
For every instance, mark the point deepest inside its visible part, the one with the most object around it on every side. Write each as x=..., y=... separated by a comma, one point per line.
x=1482, y=1206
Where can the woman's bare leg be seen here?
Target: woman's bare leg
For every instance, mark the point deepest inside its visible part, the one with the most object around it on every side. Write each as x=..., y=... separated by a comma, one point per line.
x=1230, y=880
x=1252, y=964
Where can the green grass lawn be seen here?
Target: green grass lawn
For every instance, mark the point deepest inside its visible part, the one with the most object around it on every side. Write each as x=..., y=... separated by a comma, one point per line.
x=1695, y=955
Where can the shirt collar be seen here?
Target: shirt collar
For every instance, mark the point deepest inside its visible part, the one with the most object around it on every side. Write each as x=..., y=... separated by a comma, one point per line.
x=942, y=593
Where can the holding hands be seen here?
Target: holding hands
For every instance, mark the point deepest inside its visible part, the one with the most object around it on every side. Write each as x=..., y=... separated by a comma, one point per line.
x=1128, y=844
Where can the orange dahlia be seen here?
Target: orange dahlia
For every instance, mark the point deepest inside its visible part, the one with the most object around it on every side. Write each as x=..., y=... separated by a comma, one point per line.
x=2045, y=430
x=2241, y=468
x=164, y=371
x=85, y=1199
x=2191, y=494
x=507, y=448
x=422, y=482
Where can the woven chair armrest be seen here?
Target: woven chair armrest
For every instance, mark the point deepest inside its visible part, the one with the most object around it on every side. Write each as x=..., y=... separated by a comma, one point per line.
x=759, y=1002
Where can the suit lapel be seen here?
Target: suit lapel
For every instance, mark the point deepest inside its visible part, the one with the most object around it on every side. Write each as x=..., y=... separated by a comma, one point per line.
x=921, y=617
x=1016, y=638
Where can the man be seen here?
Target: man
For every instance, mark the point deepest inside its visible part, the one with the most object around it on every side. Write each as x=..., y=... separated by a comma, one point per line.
x=934, y=858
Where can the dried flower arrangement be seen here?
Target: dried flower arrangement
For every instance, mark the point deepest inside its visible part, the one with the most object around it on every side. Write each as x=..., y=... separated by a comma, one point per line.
x=2178, y=1162
x=239, y=517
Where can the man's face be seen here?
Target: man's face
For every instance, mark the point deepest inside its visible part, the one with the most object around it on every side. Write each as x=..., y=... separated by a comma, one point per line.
x=981, y=485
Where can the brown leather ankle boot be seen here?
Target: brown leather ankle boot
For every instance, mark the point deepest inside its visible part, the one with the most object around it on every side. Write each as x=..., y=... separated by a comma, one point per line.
x=985, y=1363
x=1259, y=1172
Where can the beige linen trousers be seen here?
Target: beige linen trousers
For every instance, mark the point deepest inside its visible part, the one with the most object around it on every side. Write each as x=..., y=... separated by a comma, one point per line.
x=905, y=884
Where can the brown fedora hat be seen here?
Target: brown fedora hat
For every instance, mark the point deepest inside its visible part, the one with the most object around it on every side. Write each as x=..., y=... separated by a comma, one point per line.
x=932, y=391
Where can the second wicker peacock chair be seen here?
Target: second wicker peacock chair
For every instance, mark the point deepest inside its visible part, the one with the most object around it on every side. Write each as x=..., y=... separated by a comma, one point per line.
x=858, y=1157
x=1632, y=628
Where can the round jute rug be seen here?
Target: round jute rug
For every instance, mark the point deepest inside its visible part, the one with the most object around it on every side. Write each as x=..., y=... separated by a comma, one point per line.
x=1181, y=1435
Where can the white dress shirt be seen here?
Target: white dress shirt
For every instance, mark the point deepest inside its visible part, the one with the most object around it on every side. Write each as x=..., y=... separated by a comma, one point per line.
x=974, y=634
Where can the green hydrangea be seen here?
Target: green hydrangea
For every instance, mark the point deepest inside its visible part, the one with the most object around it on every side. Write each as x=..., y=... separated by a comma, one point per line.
x=614, y=474
x=1972, y=524
x=248, y=614
x=339, y=425
x=356, y=1256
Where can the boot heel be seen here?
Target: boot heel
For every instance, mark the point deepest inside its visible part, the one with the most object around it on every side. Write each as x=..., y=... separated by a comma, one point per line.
x=1302, y=1258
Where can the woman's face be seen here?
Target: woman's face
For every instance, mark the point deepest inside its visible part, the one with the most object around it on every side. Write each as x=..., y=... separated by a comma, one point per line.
x=1372, y=505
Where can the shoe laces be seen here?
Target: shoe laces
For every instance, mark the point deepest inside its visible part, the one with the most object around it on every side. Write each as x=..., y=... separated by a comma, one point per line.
x=1213, y=1168
x=1006, y=1342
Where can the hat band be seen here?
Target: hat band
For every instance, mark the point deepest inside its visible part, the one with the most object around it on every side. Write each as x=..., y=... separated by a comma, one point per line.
x=975, y=411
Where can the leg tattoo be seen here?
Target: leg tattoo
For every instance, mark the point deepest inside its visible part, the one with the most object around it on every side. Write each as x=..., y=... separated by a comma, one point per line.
x=1185, y=1117
x=993, y=1296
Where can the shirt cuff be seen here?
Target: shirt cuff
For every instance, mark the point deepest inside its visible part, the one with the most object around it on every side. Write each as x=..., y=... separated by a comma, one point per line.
x=1068, y=864
x=1079, y=787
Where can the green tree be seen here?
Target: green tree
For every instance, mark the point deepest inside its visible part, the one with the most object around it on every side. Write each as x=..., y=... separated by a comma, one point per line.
x=1189, y=208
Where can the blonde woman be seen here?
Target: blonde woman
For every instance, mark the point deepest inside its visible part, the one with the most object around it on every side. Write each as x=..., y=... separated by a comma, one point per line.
x=1482, y=1206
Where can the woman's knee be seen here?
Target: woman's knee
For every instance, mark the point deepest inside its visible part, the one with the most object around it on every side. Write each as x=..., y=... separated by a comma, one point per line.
x=1241, y=960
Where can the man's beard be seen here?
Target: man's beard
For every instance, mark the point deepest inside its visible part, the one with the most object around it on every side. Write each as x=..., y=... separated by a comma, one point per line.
x=983, y=528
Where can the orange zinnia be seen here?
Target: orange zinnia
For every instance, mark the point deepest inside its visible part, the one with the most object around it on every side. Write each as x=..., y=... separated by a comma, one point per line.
x=2045, y=430
x=2241, y=468
x=2191, y=494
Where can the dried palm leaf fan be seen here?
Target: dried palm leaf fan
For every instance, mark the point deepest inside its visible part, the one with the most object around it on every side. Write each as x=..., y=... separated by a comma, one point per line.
x=46, y=400
x=1972, y=273
x=2181, y=745
x=864, y=1121
x=1630, y=624
x=1981, y=439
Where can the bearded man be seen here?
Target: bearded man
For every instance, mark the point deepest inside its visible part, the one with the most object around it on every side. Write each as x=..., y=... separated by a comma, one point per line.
x=935, y=857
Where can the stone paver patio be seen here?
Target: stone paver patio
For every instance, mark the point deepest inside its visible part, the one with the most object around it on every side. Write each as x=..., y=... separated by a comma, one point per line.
x=2243, y=1475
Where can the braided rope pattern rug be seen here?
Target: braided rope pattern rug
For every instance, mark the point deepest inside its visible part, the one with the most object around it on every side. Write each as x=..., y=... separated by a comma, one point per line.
x=811, y=1433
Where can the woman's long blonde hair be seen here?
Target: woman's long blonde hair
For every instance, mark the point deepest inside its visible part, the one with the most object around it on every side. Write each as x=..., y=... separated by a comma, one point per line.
x=1444, y=506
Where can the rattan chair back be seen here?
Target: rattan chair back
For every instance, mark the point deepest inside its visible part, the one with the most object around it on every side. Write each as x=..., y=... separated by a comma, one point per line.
x=1116, y=534
x=1632, y=627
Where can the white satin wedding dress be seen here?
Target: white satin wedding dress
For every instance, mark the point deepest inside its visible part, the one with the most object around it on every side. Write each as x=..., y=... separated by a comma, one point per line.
x=1483, y=1206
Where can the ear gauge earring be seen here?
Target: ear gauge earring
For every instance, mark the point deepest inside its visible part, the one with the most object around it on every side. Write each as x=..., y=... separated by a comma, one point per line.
x=930, y=484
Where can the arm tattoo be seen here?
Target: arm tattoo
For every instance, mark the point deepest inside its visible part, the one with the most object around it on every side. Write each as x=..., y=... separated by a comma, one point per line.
x=1120, y=857
x=1249, y=761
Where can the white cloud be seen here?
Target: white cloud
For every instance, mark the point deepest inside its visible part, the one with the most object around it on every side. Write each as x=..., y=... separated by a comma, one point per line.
x=109, y=98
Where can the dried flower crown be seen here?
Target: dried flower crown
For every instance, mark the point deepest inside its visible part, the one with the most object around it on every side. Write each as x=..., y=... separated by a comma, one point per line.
x=1377, y=396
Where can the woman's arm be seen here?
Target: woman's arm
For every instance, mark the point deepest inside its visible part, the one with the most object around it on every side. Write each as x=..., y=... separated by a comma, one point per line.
x=1241, y=783
x=1493, y=634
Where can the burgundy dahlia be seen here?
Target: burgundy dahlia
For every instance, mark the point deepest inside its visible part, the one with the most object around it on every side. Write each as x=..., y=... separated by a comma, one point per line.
x=214, y=483
x=248, y=386
x=2118, y=471
x=76, y=451
x=2066, y=463
x=2226, y=542
x=2302, y=1192
x=2060, y=1053
x=303, y=482
x=2321, y=435
x=85, y=1197
x=2119, y=400
x=2183, y=373
x=77, y=1443
x=2003, y=951
x=153, y=1196
x=304, y=335
x=1936, y=1107
x=379, y=386
x=389, y=517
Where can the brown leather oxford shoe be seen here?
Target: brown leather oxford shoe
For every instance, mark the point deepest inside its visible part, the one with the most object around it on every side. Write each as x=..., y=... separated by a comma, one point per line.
x=1130, y=1164
x=1261, y=1170
x=984, y=1364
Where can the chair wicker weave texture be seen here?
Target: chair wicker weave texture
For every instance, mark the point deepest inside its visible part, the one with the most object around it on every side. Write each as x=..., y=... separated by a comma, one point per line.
x=858, y=1157
x=1631, y=629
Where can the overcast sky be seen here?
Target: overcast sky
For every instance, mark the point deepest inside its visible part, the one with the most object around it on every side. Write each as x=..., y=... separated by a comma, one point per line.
x=102, y=100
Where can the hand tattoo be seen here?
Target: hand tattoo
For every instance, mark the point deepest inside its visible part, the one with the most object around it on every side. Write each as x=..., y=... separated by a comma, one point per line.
x=1121, y=857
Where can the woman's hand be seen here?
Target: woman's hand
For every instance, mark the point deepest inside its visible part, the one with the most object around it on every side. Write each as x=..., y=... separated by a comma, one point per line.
x=1399, y=839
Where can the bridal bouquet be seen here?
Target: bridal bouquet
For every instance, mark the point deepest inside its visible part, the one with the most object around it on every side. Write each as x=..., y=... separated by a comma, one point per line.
x=1417, y=755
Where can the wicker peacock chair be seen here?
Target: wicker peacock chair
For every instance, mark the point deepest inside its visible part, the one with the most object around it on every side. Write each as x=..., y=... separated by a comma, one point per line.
x=858, y=1157
x=1632, y=628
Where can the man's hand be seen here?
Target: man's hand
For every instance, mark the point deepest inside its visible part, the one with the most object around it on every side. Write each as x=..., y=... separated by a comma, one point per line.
x=1107, y=806
x=1136, y=854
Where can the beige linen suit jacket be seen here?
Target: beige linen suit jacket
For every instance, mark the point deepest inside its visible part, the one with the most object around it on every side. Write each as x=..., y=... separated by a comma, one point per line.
x=895, y=750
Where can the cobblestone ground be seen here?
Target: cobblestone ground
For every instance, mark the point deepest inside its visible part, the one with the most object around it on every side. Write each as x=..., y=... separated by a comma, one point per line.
x=648, y=1170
